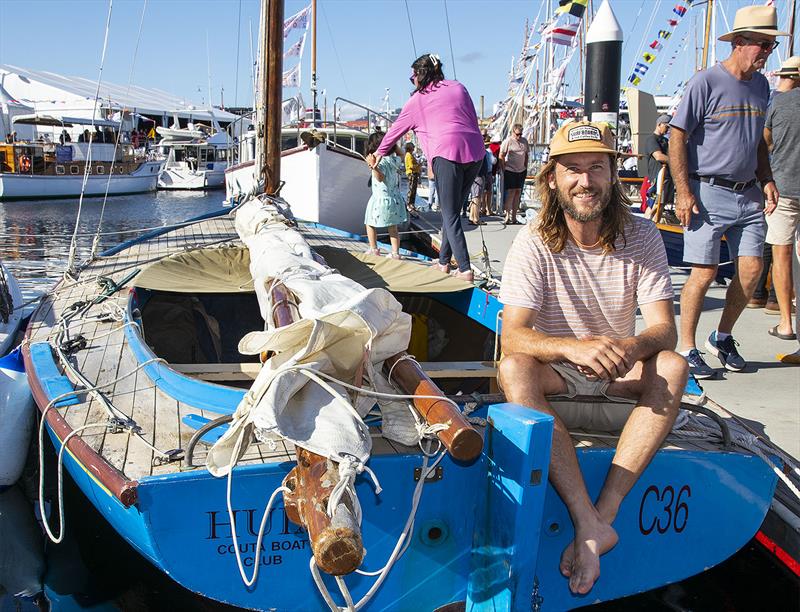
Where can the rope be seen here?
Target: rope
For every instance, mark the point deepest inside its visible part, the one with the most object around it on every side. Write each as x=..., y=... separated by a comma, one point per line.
x=87, y=166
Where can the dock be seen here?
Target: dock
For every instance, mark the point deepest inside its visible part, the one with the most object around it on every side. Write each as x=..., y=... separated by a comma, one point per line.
x=765, y=396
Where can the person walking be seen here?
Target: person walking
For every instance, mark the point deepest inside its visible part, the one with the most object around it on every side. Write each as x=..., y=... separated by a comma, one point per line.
x=386, y=207
x=443, y=116
x=720, y=165
x=655, y=150
x=514, y=164
x=412, y=174
x=782, y=135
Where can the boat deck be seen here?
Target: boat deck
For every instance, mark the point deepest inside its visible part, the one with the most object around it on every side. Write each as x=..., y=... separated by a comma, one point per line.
x=108, y=363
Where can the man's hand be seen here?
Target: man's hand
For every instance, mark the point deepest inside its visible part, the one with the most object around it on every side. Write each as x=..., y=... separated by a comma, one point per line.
x=685, y=206
x=603, y=357
x=771, y=196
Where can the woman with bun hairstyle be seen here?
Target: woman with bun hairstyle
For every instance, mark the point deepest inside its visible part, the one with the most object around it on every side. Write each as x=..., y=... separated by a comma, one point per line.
x=443, y=116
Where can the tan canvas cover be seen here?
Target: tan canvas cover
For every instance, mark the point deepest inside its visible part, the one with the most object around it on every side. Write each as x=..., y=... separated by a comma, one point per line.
x=227, y=270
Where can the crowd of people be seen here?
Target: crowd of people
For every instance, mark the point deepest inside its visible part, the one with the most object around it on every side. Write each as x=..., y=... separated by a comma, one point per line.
x=574, y=280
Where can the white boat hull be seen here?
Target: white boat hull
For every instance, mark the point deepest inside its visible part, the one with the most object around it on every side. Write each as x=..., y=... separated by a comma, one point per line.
x=36, y=187
x=322, y=185
x=183, y=178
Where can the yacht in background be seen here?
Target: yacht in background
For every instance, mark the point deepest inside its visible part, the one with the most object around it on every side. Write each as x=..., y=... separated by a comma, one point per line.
x=193, y=159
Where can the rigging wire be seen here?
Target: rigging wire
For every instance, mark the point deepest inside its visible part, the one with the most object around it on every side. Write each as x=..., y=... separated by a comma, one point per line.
x=238, y=44
x=450, y=39
x=645, y=35
x=96, y=239
x=335, y=52
x=87, y=165
x=411, y=29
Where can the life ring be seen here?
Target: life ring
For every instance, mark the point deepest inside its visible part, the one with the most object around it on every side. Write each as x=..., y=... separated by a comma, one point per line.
x=25, y=163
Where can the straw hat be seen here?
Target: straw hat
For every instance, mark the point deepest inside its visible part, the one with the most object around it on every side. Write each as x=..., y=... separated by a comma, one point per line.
x=583, y=137
x=758, y=19
x=790, y=68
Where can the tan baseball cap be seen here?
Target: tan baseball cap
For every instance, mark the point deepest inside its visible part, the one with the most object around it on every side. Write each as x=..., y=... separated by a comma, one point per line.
x=761, y=19
x=582, y=137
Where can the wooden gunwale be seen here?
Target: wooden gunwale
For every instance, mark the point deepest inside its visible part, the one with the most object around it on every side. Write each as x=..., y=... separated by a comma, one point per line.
x=102, y=472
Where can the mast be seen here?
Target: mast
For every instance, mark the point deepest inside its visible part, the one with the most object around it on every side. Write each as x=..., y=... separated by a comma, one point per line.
x=314, y=62
x=790, y=42
x=268, y=150
x=707, y=34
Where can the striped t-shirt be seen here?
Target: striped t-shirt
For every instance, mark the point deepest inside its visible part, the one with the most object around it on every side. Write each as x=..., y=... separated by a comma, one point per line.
x=582, y=292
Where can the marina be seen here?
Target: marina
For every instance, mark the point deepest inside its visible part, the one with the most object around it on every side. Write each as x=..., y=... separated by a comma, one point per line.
x=239, y=400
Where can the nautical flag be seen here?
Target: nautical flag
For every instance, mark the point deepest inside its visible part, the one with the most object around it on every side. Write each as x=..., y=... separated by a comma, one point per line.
x=635, y=79
x=649, y=57
x=656, y=45
x=573, y=7
x=296, y=50
x=561, y=34
x=679, y=10
x=665, y=34
x=641, y=68
x=291, y=78
x=296, y=21
x=672, y=22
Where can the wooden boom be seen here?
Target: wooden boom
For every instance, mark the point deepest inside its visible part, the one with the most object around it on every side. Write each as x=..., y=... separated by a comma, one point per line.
x=335, y=541
x=461, y=439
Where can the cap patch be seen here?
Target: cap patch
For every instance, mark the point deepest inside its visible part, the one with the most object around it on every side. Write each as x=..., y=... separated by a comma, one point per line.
x=584, y=132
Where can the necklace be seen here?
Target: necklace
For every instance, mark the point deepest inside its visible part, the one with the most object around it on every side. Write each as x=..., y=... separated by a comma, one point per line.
x=585, y=246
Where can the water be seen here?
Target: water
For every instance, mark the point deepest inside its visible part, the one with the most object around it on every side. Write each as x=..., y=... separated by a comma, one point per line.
x=96, y=570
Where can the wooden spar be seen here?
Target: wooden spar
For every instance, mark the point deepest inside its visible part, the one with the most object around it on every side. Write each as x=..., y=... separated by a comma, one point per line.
x=461, y=439
x=335, y=541
x=314, y=62
x=707, y=34
x=272, y=96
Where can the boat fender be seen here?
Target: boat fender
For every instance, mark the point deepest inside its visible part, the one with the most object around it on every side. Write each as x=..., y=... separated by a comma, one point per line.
x=16, y=417
x=25, y=163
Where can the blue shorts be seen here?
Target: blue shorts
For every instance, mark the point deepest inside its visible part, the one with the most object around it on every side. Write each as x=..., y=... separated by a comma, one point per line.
x=737, y=216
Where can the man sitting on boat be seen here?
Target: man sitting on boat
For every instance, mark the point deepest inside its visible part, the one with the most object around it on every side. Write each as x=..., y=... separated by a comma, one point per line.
x=571, y=287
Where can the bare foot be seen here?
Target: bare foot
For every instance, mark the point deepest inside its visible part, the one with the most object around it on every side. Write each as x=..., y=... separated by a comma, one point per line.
x=580, y=561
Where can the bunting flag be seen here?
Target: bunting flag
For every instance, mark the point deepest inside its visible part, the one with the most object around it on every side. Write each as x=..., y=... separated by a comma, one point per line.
x=296, y=50
x=573, y=7
x=297, y=21
x=635, y=79
x=641, y=66
x=561, y=34
x=649, y=58
x=672, y=22
x=656, y=45
x=291, y=78
x=665, y=34
x=679, y=10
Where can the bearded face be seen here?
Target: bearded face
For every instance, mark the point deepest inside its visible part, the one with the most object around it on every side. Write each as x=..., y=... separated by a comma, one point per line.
x=583, y=185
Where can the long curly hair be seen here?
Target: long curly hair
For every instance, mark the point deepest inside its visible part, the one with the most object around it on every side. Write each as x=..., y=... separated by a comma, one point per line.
x=428, y=70
x=552, y=225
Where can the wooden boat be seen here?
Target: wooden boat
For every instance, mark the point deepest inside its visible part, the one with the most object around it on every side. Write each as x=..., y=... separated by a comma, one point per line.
x=40, y=169
x=184, y=338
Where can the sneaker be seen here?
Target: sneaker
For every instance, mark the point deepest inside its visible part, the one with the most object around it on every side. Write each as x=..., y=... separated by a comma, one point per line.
x=726, y=351
x=697, y=365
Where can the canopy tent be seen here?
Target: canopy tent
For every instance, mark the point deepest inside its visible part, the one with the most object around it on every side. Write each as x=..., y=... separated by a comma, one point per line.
x=52, y=120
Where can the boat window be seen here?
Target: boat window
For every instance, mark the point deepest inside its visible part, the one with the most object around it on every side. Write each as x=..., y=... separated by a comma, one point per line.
x=344, y=141
x=73, y=169
x=180, y=154
x=288, y=142
x=221, y=155
x=203, y=155
x=101, y=169
x=59, y=169
x=360, y=145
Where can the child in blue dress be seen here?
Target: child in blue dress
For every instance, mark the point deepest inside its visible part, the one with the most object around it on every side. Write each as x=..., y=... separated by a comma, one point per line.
x=386, y=207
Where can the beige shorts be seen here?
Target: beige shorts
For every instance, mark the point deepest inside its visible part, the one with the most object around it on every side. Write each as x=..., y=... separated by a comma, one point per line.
x=783, y=221
x=586, y=404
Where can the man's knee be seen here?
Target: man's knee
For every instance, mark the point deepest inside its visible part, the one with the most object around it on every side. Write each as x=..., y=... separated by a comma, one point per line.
x=519, y=371
x=703, y=275
x=749, y=269
x=668, y=371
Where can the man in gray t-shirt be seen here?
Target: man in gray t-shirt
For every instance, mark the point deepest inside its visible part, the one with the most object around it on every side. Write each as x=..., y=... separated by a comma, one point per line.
x=720, y=165
x=782, y=134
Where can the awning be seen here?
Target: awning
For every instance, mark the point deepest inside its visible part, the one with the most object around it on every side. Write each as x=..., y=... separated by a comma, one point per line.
x=39, y=119
x=227, y=270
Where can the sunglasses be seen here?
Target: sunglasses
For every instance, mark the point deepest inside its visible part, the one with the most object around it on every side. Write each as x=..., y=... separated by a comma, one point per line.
x=766, y=45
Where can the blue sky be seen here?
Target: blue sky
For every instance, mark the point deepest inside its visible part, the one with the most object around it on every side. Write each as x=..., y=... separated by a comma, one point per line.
x=364, y=46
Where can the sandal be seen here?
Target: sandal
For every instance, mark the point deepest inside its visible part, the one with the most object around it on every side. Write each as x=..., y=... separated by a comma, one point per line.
x=468, y=276
x=444, y=268
x=395, y=256
x=375, y=252
x=773, y=331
